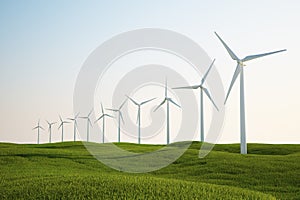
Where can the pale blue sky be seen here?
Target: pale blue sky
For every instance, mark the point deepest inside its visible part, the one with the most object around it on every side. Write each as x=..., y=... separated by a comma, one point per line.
x=44, y=43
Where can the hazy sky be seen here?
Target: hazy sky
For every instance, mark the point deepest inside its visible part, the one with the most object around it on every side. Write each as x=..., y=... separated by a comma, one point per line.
x=44, y=43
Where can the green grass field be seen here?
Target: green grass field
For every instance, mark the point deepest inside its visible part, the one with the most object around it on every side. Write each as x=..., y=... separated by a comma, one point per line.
x=68, y=171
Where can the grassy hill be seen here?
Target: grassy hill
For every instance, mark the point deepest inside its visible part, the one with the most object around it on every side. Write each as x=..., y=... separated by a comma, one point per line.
x=68, y=171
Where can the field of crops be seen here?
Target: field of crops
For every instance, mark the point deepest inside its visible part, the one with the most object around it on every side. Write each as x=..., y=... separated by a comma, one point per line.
x=68, y=171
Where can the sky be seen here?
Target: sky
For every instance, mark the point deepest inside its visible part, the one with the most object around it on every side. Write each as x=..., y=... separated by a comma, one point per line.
x=43, y=45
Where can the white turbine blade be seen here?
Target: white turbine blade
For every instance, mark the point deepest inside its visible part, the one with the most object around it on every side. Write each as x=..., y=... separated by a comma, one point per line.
x=76, y=116
x=232, y=55
x=121, y=116
x=138, y=115
x=174, y=103
x=109, y=115
x=35, y=127
x=110, y=109
x=235, y=75
x=53, y=123
x=99, y=118
x=204, y=77
x=91, y=112
x=48, y=122
x=147, y=101
x=166, y=87
x=160, y=105
x=208, y=95
x=188, y=87
x=41, y=128
x=251, y=57
x=71, y=119
x=133, y=101
x=60, y=125
x=122, y=104
x=89, y=121
x=102, y=108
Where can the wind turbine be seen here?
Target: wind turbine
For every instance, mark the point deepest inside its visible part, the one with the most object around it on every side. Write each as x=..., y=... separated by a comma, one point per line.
x=103, y=121
x=38, y=127
x=168, y=100
x=75, y=124
x=138, y=121
x=202, y=89
x=88, y=123
x=62, y=127
x=120, y=116
x=50, y=124
x=240, y=71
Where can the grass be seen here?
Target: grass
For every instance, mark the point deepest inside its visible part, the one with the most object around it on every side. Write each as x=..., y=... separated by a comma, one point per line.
x=68, y=171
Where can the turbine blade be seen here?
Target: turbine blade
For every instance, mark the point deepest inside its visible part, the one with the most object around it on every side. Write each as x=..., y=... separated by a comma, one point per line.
x=133, y=100
x=109, y=115
x=204, y=77
x=208, y=95
x=232, y=55
x=160, y=105
x=60, y=125
x=76, y=116
x=148, y=101
x=99, y=118
x=91, y=112
x=89, y=121
x=121, y=116
x=122, y=104
x=188, y=87
x=235, y=75
x=71, y=119
x=114, y=110
x=48, y=122
x=35, y=128
x=166, y=87
x=138, y=115
x=251, y=57
x=102, y=108
x=174, y=103
x=41, y=128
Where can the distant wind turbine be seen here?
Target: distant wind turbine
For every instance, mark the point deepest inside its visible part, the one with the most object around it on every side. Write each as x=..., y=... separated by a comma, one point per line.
x=38, y=127
x=75, y=124
x=62, y=127
x=167, y=100
x=103, y=115
x=202, y=89
x=88, y=124
x=138, y=121
x=50, y=124
x=240, y=71
x=120, y=116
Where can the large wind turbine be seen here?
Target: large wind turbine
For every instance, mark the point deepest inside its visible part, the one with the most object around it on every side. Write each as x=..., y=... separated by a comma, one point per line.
x=62, y=127
x=50, y=124
x=75, y=124
x=240, y=71
x=38, y=127
x=168, y=100
x=138, y=121
x=202, y=89
x=120, y=116
x=88, y=123
x=103, y=121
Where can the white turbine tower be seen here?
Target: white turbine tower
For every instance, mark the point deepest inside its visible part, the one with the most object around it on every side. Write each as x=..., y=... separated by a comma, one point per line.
x=202, y=89
x=50, y=124
x=120, y=117
x=38, y=127
x=88, y=123
x=62, y=127
x=168, y=100
x=240, y=71
x=75, y=124
x=138, y=121
x=103, y=121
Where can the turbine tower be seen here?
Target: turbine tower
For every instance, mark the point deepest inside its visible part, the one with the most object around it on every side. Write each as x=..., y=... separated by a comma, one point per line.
x=240, y=71
x=167, y=100
x=38, y=127
x=88, y=123
x=103, y=121
x=50, y=124
x=138, y=121
x=62, y=127
x=202, y=89
x=120, y=117
x=75, y=124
